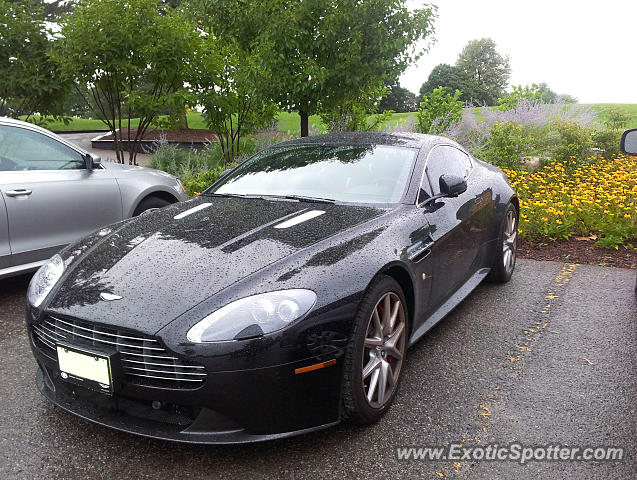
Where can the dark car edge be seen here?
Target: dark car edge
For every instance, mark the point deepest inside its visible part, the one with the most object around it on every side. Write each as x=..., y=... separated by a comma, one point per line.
x=129, y=293
x=628, y=145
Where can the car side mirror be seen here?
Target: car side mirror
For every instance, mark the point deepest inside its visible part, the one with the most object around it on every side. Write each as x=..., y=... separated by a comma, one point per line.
x=629, y=142
x=91, y=161
x=452, y=185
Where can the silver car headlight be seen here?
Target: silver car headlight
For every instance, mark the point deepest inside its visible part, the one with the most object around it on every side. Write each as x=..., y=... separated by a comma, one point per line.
x=44, y=280
x=253, y=316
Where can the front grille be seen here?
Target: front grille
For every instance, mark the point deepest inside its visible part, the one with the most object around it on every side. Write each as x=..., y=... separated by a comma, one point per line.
x=144, y=361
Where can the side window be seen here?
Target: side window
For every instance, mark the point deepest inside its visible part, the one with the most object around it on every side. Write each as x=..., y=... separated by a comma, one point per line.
x=444, y=159
x=23, y=149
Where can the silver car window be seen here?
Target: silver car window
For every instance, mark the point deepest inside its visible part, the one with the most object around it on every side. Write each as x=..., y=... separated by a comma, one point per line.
x=23, y=149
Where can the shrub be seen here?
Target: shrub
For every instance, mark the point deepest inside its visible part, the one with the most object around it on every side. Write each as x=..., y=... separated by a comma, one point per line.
x=197, y=183
x=573, y=142
x=615, y=118
x=183, y=162
x=438, y=111
x=530, y=94
x=538, y=122
x=608, y=140
x=507, y=145
x=199, y=169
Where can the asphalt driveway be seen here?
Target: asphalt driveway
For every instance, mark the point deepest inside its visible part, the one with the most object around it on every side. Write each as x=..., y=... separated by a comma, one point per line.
x=84, y=140
x=548, y=358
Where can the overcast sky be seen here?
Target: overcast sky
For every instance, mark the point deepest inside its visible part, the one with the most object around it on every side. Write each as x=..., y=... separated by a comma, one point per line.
x=581, y=48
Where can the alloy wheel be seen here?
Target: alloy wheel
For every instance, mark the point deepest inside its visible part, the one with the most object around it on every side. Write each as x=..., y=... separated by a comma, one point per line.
x=384, y=350
x=509, y=243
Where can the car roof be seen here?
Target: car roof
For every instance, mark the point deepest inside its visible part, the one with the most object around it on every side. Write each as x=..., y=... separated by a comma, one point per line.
x=36, y=128
x=401, y=139
x=20, y=123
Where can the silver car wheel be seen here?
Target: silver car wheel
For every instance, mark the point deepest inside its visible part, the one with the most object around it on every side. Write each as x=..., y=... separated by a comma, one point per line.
x=384, y=350
x=509, y=244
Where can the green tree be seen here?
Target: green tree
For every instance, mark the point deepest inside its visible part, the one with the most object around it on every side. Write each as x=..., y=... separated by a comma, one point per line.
x=453, y=78
x=226, y=81
x=52, y=9
x=548, y=95
x=228, y=74
x=132, y=60
x=328, y=52
x=29, y=79
x=399, y=99
x=438, y=111
x=531, y=94
x=357, y=114
x=566, y=98
x=480, y=60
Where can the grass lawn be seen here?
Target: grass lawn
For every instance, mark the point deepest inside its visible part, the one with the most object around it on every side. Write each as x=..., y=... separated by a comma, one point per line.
x=291, y=122
x=288, y=122
x=194, y=121
x=629, y=107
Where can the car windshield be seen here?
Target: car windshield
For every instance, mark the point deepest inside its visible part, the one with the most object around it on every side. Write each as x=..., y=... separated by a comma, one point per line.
x=357, y=174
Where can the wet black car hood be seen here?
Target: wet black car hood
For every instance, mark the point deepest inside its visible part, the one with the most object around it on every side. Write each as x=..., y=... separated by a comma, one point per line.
x=162, y=266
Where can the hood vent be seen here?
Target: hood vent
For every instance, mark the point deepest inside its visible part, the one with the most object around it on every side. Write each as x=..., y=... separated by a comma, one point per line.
x=304, y=217
x=192, y=210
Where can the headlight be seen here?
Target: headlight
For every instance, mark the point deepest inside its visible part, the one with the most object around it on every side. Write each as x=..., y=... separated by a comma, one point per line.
x=44, y=280
x=253, y=316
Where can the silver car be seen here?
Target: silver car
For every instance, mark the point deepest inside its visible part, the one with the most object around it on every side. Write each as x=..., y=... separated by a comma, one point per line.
x=53, y=193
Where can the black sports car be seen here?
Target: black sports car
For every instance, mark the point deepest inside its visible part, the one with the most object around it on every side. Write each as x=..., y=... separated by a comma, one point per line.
x=279, y=301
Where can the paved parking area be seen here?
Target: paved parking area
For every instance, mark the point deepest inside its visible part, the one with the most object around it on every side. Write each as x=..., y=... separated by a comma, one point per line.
x=548, y=358
x=84, y=140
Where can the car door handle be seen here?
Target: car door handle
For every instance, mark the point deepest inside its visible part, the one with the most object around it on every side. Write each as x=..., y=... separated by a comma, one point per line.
x=17, y=192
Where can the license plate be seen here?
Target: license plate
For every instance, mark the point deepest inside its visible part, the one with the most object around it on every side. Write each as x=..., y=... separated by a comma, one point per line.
x=85, y=368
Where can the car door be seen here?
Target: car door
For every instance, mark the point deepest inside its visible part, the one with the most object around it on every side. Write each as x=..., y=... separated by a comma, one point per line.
x=454, y=239
x=5, y=250
x=50, y=196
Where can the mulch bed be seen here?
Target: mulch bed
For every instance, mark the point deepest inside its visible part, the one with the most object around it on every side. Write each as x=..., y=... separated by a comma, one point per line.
x=187, y=135
x=578, y=251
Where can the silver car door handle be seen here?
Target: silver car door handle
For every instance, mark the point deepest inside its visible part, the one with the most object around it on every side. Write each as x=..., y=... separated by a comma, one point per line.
x=18, y=192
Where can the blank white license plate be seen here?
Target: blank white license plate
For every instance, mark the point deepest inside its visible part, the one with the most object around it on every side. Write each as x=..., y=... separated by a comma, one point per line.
x=86, y=366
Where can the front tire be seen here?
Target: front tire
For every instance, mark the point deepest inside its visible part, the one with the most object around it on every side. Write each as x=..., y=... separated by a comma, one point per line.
x=149, y=203
x=375, y=356
x=506, y=247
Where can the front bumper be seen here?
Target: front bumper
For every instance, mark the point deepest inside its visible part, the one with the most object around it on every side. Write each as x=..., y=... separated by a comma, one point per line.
x=230, y=407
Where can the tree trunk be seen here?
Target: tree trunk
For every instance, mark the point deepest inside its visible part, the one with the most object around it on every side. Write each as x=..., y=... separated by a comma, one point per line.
x=184, y=122
x=305, y=131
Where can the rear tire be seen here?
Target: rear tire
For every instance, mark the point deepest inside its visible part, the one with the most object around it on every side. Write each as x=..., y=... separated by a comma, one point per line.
x=375, y=356
x=506, y=247
x=150, y=202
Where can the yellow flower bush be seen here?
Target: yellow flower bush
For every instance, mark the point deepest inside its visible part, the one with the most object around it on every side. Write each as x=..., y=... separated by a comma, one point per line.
x=569, y=198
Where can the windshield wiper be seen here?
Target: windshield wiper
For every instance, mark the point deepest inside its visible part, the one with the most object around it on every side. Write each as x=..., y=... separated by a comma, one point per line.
x=214, y=194
x=303, y=198
x=300, y=198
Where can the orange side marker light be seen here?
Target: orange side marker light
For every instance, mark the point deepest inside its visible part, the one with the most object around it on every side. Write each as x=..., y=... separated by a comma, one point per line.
x=317, y=366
